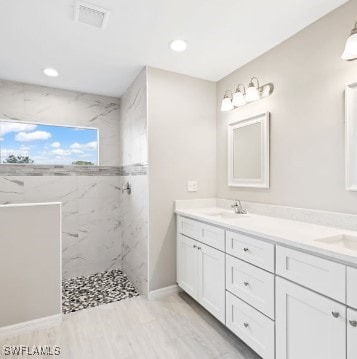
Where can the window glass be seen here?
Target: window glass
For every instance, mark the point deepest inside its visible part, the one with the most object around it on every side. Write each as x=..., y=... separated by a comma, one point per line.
x=39, y=144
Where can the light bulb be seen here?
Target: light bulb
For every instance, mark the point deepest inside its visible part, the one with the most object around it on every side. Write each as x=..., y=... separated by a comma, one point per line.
x=226, y=104
x=350, y=52
x=252, y=93
x=238, y=99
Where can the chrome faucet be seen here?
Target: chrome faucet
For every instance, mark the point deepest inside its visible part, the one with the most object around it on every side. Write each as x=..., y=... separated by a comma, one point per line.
x=238, y=208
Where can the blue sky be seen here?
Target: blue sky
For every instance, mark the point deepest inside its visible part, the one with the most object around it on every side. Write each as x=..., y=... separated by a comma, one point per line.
x=48, y=144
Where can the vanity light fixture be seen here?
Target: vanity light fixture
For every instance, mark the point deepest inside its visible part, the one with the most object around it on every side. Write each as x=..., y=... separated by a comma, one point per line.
x=227, y=102
x=242, y=96
x=350, y=52
x=50, y=72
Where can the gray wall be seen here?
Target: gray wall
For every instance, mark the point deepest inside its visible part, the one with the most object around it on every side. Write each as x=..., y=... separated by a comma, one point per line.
x=182, y=147
x=91, y=235
x=30, y=263
x=134, y=207
x=307, y=117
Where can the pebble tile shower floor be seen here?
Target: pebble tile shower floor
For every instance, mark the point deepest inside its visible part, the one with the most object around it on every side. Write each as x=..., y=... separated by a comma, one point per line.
x=100, y=288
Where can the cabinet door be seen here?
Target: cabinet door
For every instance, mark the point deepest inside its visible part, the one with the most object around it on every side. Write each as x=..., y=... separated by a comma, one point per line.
x=212, y=281
x=352, y=287
x=351, y=334
x=308, y=325
x=187, y=265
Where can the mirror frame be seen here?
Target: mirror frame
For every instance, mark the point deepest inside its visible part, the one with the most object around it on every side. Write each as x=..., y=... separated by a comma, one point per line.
x=350, y=139
x=262, y=182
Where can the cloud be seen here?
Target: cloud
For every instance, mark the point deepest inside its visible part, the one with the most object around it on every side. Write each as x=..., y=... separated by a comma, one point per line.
x=84, y=146
x=32, y=136
x=6, y=127
x=60, y=152
x=56, y=145
x=73, y=150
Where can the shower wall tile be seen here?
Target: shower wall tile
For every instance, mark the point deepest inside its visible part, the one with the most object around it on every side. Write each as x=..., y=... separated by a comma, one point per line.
x=134, y=207
x=40, y=104
x=91, y=237
x=12, y=96
x=89, y=195
x=134, y=232
x=133, y=123
x=11, y=190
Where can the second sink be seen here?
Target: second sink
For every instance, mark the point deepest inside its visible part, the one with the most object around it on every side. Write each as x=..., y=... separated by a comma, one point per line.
x=341, y=241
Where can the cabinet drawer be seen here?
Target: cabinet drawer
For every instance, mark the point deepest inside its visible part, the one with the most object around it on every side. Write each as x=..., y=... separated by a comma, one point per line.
x=252, y=327
x=188, y=227
x=211, y=235
x=252, y=250
x=255, y=286
x=352, y=287
x=319, y=274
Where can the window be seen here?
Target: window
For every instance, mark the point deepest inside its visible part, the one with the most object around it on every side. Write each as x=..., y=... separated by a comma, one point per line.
x=39, y=144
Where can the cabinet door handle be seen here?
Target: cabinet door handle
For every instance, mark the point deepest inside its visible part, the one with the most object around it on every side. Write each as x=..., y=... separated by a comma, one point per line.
x=353, y=323
x=246, y=249
x=246, y=284
x=335, y=314
x=199, y=248
x=246, y=325
x=194, y=246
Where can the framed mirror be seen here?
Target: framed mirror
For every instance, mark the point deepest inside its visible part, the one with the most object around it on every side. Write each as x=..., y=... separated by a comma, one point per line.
x=351, y=137
x=248, y=152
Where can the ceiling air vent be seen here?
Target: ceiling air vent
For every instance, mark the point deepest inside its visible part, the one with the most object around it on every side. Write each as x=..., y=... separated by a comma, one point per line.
x=90, y=14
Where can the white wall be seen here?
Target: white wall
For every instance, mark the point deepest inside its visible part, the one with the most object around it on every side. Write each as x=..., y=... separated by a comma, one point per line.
x=307, y=117
x=182, y=147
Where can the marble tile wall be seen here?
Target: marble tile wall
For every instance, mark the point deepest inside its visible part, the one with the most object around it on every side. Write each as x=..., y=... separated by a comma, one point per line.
x=41, y=104
x=90, y=216
x=134, y=207
x=91, y=196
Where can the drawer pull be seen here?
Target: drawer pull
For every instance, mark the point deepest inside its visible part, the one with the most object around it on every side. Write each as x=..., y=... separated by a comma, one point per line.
x=194, y=246
x=246, y=325
x=245, y=249
x=246, y=284
x=353, y=323
x=335, y=314
x=199, y=248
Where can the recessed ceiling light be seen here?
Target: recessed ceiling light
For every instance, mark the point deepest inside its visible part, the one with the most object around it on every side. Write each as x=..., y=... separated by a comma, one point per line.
x=50, y=72
x=178, y=45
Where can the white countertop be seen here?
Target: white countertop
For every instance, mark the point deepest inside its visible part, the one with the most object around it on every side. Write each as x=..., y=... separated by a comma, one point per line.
x=295, y=234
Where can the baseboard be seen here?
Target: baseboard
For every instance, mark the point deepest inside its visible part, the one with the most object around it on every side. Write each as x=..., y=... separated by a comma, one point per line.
x=20, y=328
x=164, y=292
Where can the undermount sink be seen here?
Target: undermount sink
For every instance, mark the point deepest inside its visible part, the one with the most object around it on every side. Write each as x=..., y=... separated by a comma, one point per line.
x=222, y=214
x=341, y=241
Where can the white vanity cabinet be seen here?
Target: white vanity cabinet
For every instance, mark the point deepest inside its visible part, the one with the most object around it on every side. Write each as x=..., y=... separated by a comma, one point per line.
x=308, y=325
x=201, y=273
x=227, y=273
x=282, y=302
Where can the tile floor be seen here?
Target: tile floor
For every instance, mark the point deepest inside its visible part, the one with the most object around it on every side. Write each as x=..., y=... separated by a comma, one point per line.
x=173, y=327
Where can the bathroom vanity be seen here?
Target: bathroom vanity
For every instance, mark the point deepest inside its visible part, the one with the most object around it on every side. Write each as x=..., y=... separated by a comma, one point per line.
x=287, y=289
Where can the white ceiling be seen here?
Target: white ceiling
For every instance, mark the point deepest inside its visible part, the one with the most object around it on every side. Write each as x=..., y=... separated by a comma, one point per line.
x=222, y=36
